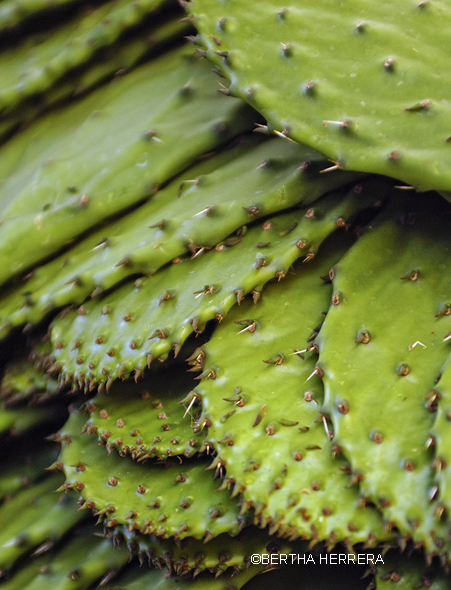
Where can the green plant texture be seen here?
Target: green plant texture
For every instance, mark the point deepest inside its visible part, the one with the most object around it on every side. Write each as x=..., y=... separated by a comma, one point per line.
x=225, y=297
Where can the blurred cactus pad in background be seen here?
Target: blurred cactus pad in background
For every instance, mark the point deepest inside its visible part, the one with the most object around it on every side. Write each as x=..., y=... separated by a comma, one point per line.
x=225, y=295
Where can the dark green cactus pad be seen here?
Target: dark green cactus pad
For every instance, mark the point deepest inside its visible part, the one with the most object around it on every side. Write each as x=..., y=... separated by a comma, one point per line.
x=22, y=381
x=381, y=351
x=178, y=499
x=35, y=517
x=121, y=57
x=15, y=421
x=135, y=579
x=13, y=13
x=261, y=404
x=146, y=419
x=193, y=556
x=79, y=165
x=81, y=561
x=37, y=64
x=148, y=319
x=401, y=572
x=362, y=84
x=255, y=178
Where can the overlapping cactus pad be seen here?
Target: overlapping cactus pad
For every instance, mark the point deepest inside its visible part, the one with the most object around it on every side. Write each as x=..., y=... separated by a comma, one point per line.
x=264, y=407
x=359, y=82
x=389, y=430
x=224, y=351
x=156, y=316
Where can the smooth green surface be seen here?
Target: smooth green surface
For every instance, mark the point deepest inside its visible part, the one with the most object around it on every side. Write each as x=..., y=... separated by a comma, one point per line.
x=390, y=288
x=362, y=83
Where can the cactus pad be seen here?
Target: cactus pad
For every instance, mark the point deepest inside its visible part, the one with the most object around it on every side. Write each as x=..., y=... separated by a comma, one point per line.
x=400, y=572
x=262, y=409
x=119, y=58
x=35, y=516
x=146, y=420
x=381, y=351
x=223, y=192
x=36, y=65
x=216, y=556
x=79, y=165
x=23, y=381
x=134, y=579
x=441, y=434
x=169, y=500
x=81, y=561
x=361, y=84
x=158, y=314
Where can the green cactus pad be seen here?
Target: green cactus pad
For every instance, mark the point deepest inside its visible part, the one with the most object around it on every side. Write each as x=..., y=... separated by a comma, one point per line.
x=262, y=177
x=180, y=499
x=35, y=516
x=401, y=572
x=441, y=434
x=155, y=315
x=146, y=420
x=16, y=421
x=79, y=165
x=362, y=84
x=37, y=64
x=381, y=351
x=135, y=579
x=13, y=13
x=117, y=59
x=23, y=381
x=83, y=560
x=191, y=555
x=261, y=406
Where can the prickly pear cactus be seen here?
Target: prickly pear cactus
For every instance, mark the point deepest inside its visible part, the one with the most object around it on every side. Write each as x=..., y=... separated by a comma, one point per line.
x=75, y=167
x=36, y=518
x=143, y=424
x=169, y=500
x=156, y=316
x=402, y=573
x=439, y=396
x=227, y=191
x=33, y=67
x=362, y=84
x=307, y=411
x=262, y=413
x=122, y=57
x=379, y=391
